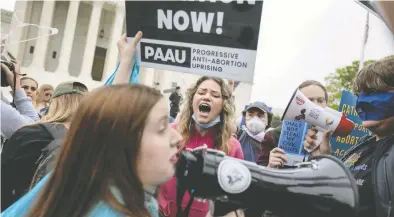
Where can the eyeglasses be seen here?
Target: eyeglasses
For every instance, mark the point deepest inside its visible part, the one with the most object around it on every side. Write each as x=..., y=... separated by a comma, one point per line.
x=25, y=87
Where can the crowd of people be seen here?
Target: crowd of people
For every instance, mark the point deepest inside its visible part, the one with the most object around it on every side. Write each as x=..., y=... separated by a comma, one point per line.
x=112, y=151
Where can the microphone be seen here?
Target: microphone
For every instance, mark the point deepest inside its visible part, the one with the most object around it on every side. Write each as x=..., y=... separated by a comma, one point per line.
x=323, y=187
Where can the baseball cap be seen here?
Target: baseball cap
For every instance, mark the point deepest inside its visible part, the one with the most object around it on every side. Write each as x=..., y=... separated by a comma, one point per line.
x=259, y=105
x=70, y=87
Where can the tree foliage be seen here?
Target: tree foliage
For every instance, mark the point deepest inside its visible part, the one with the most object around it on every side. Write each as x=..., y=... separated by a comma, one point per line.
x=276, y=121
x=341, y=79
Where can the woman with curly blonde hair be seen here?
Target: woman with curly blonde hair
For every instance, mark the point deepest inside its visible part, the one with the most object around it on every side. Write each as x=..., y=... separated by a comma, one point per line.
x=207, y=119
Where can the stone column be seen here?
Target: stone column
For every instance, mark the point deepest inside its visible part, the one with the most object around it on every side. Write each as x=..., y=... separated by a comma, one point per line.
x=91, y=40
x=68, y=38
x=112, y=53
x=41, y=47
x=16, y=34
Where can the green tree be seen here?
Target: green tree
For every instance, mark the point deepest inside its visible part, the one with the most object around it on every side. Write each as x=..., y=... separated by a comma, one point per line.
x=341, y=79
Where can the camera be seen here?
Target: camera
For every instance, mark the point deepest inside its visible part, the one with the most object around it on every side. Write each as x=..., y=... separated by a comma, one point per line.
x=10, y=65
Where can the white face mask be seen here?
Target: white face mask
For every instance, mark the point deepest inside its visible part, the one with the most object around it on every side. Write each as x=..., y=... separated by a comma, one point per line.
x=256, y=125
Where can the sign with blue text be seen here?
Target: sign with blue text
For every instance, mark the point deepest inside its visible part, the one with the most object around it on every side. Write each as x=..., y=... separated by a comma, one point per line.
x=339, y=145
x=291, y=140
x=215, y=38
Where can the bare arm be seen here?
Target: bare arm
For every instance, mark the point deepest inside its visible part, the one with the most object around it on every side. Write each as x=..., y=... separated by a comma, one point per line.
x=126, y=55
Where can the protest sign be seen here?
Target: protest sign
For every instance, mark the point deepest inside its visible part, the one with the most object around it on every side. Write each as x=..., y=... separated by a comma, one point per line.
x=339, y=145
x=291, y=140
x=215, y=38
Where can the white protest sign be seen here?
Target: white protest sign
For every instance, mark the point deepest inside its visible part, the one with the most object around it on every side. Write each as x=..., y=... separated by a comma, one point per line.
x=215, y=38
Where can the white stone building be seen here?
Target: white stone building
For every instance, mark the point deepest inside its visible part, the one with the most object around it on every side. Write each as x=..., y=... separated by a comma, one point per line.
x=84, y=48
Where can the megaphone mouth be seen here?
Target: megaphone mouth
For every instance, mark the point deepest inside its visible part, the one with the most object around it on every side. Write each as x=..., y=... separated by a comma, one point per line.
x=288, y=105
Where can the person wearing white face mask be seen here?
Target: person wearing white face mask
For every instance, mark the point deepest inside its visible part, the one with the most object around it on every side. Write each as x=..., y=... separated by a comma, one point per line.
x=252, y=134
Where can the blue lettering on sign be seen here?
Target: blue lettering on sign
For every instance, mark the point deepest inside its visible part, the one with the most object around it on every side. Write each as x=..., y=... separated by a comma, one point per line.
x=292, y=137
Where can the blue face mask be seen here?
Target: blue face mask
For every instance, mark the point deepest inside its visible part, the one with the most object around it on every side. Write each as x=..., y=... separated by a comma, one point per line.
x=375, y=106
x=207, y=125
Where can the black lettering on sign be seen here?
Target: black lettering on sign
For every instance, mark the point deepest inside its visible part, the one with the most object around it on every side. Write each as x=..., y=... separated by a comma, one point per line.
x=166, y=54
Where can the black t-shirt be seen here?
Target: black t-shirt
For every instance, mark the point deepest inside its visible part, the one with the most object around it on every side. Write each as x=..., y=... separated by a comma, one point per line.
x=359, y=163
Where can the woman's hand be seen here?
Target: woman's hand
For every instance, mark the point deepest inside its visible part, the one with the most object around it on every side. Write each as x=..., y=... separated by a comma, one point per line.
x=277, y=158
x=310, y=142
x=126, y=53
x=10, y=75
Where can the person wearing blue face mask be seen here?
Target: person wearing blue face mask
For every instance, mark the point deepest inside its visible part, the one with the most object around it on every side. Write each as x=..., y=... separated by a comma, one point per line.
x=372, y=160
x=252, y=133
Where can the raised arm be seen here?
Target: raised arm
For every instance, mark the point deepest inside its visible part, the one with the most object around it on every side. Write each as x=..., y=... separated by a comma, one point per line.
x=126, y=52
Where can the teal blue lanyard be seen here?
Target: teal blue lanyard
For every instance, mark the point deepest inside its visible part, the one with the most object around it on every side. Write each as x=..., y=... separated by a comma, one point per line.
x=134, y=74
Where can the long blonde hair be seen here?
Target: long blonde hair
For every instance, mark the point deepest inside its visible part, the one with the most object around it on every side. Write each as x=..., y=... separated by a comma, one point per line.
x=224, y=129
x=62, y=108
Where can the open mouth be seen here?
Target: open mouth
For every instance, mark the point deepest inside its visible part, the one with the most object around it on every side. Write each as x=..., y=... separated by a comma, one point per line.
x=204, y=108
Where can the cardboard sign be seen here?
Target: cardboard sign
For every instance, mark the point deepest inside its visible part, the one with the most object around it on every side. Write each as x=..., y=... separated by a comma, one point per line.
x=339, y=145
x=215, y=38
x=292, y=141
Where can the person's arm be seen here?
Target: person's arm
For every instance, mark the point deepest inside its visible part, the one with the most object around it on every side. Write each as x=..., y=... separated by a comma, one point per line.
x=126, y=56
x=267, y=145
x=12, y=120
x=237, y=152
x=24, y=105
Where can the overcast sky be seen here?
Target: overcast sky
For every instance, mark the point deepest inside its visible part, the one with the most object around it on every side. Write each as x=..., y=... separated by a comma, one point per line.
x=307, y=39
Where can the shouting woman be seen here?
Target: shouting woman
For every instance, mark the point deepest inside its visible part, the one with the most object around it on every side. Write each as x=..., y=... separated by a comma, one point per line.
x=206, y=119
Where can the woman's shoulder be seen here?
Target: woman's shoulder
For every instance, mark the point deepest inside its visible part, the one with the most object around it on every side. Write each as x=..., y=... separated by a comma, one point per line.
x=105, y=210
x=236, y=149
